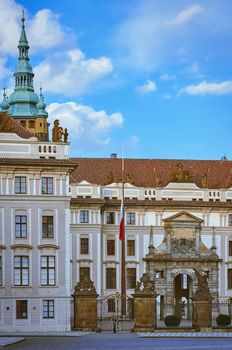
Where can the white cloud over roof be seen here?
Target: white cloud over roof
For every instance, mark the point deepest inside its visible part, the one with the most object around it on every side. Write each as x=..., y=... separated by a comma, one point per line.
x=88, y=129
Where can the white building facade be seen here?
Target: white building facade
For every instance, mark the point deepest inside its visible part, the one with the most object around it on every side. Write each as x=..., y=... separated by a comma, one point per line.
x=34, y=234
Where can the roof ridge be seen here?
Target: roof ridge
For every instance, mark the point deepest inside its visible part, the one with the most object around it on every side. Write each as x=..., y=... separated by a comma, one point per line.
x=9, y=124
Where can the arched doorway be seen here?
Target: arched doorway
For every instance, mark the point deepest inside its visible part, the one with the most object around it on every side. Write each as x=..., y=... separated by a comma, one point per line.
x=182, y=296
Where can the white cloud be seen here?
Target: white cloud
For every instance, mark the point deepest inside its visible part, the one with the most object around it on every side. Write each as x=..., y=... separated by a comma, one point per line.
x=185, y=16
x=148, y=87
x=167, y=77
x=205, y=88
x=43, y=30
x=4, y=71
x=88, y=129
x=153, y=34
x=70, y=73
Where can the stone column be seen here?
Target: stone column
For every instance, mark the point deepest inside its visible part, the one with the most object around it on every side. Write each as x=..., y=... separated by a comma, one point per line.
x=144, y=305
x=85, y=306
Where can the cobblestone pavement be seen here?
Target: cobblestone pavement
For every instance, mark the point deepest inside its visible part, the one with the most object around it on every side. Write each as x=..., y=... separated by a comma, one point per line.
x=122, y=341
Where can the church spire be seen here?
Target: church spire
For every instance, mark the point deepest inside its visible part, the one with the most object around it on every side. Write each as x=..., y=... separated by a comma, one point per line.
x=23, y=43
x=23, y=101
x=24, y=104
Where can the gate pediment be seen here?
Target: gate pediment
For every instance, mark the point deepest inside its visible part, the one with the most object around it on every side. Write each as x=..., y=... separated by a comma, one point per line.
x=183, y=217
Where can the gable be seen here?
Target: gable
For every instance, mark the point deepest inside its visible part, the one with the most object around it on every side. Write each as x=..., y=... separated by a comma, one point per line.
x=182, y=216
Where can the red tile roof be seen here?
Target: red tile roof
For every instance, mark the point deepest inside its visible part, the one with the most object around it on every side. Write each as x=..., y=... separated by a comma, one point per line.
x=213, y=174
x=10, y=125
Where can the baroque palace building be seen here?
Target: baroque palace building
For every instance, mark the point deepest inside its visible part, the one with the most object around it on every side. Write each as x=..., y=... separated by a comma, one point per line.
x=59, y=220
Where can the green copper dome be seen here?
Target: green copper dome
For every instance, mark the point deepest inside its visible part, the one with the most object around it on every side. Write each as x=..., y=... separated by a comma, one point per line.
x=23, y=101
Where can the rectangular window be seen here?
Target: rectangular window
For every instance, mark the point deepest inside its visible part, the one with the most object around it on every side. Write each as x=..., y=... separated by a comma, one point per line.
x=47, y=185
x=110, y=217
x=21, y=309
x=0, y=270
x=230, y=248
x=84, y=246
x=229, y=278
x=21, y=226
x=47, y=230
x=84, y=216
x=110, y=278
x=110, y=247
x=47, y=271
x=111, y=305
x=20, y=184
x=130, y=247
x=230, y=219
x=84, y=272
x=21, y=271
x=130, y=218
x=131, y=278
x=48, y=308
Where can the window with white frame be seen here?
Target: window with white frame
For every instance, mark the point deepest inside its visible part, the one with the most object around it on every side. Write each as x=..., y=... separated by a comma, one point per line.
x=21, y=271
x=48, y=271
x=110, y=278
x=20, y=226
x=47, y=185
x=230, y=248
x=131, y=277
x=130, y=218
x=48, y=308
x=84, y=272
x=21, y=309
x=110, y=218
x=130, y=247
x=20, y=185
x=110, y=247
x=84, y=216
x=47, y=227
x=230, y=219
x=84, y=245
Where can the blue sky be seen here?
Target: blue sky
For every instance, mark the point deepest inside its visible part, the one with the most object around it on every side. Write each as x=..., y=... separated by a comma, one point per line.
x=154, y=75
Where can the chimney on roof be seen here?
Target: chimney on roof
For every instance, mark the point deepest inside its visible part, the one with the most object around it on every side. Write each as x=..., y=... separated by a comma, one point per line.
x=224, y=157
x=113, y=155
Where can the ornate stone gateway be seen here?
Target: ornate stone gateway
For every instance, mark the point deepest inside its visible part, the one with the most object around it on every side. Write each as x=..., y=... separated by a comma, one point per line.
x=85, y=306
x=173, y=265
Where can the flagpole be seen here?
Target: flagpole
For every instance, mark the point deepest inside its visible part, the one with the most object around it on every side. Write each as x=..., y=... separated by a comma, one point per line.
x=123, y=263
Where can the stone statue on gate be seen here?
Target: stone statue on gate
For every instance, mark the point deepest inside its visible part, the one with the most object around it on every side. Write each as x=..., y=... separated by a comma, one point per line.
x=203, y=292
x=145, y=285
x=86, y=286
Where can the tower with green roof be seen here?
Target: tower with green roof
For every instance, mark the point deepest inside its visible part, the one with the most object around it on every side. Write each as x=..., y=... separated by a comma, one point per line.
x=24, y=104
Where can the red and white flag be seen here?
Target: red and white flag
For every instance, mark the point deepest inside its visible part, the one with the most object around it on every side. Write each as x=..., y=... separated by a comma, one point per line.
x=121, y=224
